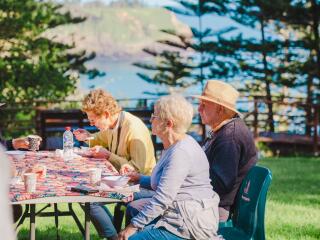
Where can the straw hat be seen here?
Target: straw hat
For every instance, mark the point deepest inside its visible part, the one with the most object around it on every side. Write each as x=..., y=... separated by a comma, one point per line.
x=220, y=93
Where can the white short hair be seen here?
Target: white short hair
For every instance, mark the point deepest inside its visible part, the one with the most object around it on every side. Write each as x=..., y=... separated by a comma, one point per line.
x=175, y=108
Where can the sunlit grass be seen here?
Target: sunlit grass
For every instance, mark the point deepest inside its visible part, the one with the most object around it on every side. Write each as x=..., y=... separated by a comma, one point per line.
x=293, y=206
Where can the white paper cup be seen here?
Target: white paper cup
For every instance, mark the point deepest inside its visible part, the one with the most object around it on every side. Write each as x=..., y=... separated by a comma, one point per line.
x=30, y=180
x=94, y=175
x=58, y=153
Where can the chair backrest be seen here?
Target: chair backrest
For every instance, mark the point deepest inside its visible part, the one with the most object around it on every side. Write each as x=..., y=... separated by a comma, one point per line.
x=250, y=203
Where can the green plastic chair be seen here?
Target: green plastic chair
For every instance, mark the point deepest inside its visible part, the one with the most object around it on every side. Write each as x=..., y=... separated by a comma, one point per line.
x=249, y=211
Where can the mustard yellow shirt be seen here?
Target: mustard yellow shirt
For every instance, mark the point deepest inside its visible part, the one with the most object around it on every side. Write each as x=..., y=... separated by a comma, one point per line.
x=135, y=146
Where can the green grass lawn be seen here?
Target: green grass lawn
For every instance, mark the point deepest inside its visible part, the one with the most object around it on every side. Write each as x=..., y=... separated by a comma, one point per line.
x=293, y=206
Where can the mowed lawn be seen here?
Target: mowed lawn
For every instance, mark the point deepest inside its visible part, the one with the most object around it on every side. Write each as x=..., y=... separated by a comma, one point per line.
x=293, y=205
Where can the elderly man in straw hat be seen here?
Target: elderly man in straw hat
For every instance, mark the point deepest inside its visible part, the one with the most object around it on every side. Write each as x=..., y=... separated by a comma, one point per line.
x=230, y=145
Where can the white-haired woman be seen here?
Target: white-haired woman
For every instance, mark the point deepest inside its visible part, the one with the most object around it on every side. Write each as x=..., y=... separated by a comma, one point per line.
x=184, y=203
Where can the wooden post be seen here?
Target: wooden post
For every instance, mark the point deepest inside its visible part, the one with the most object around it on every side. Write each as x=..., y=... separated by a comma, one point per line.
x=315, y=129
x=255, y=118
x=145, y=103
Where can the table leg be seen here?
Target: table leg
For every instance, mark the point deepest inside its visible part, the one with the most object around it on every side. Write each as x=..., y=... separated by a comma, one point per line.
x=56, y=219
x=32, y=221
x=23, y=217
x=76, y=219
x=87, y=220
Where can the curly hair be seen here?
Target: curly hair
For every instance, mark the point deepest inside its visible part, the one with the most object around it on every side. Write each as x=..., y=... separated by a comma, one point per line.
x=99, y=101
x=176, y=108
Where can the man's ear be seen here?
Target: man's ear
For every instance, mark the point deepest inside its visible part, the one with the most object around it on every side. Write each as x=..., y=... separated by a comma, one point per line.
x=220, y=109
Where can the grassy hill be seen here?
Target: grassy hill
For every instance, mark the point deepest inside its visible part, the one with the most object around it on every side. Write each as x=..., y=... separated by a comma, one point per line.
x=117, y=32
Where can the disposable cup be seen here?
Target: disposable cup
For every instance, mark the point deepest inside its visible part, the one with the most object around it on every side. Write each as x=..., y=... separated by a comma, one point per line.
x=30, y=180
x=94, y=175
x=34, y=142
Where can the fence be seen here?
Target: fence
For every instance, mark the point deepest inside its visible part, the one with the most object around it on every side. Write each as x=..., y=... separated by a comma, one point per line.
x=290, y=119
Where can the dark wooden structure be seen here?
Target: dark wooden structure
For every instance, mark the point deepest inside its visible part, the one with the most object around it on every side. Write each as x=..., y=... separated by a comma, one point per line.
x=296, y=122
x=284, y=142
x=51, y=124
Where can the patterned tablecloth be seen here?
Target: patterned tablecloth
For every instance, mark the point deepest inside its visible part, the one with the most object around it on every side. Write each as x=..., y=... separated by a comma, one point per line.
x=61, y=175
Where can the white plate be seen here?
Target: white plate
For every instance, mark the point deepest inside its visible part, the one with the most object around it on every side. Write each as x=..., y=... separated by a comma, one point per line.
x=18, y=155
x=115, y=181
x=15, y=152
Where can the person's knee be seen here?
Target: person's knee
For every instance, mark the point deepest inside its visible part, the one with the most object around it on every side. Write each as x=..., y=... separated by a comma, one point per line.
x=95, y=209
x=132, y=209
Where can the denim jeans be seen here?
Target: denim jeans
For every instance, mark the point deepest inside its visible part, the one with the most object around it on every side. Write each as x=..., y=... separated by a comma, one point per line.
x=102, y=220
x=151, y=233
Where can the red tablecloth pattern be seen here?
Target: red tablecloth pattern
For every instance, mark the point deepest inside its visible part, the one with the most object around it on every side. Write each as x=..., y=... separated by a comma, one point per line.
x=61, y=175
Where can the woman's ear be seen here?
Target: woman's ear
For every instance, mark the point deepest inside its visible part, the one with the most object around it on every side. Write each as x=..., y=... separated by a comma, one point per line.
x=170, y=123
x=106, y=114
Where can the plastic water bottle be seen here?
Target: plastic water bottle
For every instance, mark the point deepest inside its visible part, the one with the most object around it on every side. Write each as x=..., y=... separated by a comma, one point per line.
x=68, y=144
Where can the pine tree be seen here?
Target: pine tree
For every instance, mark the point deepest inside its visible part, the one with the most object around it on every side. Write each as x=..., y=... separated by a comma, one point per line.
x=258, y=58
x=187, y=60
x=301, y=19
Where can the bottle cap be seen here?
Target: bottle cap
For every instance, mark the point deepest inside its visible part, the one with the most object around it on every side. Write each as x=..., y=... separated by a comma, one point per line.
x=67, y=128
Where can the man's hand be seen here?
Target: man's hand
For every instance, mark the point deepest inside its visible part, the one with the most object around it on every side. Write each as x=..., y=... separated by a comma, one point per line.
x=127, y=232
x=20, y=143
x=100, y=152
x=81, y=134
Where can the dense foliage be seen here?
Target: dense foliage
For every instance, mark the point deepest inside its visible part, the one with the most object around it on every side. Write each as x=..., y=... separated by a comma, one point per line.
x=32, y=66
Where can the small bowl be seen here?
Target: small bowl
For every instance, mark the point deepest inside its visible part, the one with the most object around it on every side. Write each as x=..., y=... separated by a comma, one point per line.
x=16, y=154
x=115, y=181
x=84, y=148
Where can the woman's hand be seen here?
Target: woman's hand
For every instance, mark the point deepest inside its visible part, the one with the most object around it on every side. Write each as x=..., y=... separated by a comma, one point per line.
x=20, y=143
x=99, y=152
x=126, y=169
x=134, y=176
x=81, y=134
x=127, y=232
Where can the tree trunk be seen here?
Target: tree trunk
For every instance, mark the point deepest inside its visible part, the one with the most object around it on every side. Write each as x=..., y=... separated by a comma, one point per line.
x=267, y=81
x=315, y=28
x=309, y=118
x=201, y=45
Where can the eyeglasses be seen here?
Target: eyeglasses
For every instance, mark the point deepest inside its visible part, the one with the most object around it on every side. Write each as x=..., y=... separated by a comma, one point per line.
x=153, y=117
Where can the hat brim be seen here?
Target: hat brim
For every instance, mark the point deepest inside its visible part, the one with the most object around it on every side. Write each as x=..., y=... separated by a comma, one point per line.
x=1, y=104
x=217, y=102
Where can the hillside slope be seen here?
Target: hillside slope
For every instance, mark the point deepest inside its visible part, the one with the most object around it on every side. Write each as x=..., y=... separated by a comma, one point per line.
x=119, y=33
